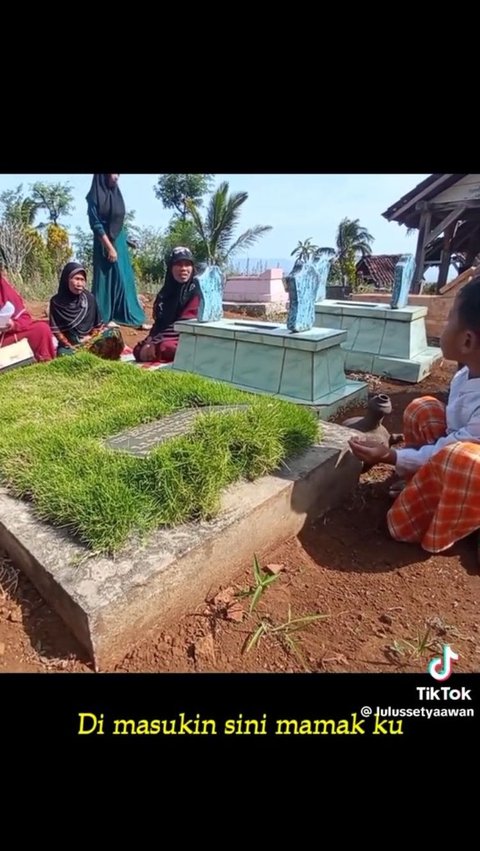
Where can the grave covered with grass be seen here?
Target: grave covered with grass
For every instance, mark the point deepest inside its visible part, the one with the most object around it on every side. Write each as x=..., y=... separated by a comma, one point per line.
x=54, y=419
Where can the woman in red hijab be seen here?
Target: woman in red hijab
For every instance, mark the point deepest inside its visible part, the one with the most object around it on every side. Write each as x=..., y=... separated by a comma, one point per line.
x=21, y=326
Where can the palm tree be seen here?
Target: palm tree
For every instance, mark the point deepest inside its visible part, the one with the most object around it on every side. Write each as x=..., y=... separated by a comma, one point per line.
x=17, y=207
x=352, y=243
x=216, y=230
x=305, y=251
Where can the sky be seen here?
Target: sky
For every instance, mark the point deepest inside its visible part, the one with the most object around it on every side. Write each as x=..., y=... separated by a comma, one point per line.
x=297, y=206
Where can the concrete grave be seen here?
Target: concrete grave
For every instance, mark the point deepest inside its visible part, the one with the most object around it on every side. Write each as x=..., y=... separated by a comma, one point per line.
x=384, y=340
x=306, y=368
x=141, y=439
x=111, y=603
x=381, y=340
x=295, y=362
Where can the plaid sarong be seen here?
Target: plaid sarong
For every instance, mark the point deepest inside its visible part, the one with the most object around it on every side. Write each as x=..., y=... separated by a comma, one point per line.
x=441, y=503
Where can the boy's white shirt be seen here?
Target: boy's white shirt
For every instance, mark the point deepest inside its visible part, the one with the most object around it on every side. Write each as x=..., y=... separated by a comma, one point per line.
x=463, y=423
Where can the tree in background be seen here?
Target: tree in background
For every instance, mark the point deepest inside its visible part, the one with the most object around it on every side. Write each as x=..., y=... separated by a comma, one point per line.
x=148, y=258
x=15, y=245
x=58, y=247
x=17, y=207
x=352, y=243
x=44, y=248
x=55, y=198
x=83, y=248
x=217, y=228
x=129, y=225
x=17, y=234
x=209, y=237
x=184, y=232
x=176, y=190
x=305, y=251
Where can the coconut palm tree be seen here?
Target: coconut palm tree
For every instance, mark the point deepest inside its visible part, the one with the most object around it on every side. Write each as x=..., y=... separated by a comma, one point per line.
x=305, y=251
x=216, y=230
x=352, y=243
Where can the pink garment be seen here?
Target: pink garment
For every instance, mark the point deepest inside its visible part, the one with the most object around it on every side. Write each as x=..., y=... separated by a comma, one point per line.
x=36, y=332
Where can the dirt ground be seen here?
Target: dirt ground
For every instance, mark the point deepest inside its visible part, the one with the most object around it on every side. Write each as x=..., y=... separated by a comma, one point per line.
x=382, y=606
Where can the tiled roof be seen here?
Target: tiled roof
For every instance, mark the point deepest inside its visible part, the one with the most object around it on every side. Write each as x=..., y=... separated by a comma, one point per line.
x=379, y=269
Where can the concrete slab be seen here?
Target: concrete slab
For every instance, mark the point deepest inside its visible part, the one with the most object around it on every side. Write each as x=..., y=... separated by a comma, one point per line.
x=307, y=368
x=110, y=603
x=412, y=371
x=380, y=340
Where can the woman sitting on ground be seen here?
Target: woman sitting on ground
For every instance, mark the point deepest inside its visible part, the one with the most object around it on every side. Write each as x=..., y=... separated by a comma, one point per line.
x=179, y=298
x=75, y=318
x=438, y=493
x=21, y=326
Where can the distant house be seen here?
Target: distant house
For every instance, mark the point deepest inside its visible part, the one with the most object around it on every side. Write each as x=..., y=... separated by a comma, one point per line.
x=445, y=208
x=378, y=270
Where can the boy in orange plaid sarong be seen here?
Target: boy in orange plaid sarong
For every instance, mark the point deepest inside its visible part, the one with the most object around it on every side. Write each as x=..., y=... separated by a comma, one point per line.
x=440, y=503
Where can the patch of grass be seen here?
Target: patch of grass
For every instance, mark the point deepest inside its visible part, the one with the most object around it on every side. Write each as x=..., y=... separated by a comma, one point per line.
x=53, y=418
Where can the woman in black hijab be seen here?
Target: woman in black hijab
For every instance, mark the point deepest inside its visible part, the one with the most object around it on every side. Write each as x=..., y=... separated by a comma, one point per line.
x=113, y=277
x=179, y=298
x=75, y=319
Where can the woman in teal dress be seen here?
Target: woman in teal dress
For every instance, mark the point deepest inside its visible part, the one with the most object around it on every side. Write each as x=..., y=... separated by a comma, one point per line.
x=113, y=277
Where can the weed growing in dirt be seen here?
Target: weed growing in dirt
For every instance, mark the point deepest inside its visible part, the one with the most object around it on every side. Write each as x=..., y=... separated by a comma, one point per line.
x=262, y=581
x=422, y=644
x=284, y=632
x=8, y=578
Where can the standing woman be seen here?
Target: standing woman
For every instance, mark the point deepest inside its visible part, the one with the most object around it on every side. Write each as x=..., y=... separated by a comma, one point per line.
x=113, y=278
